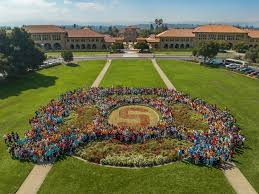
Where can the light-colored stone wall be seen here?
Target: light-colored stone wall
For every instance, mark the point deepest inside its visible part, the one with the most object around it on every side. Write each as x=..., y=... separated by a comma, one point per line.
x=176, y=43
x=50, y=41
x=89, y=44
x=233, y=38
x=60, y=41
x=253, y=42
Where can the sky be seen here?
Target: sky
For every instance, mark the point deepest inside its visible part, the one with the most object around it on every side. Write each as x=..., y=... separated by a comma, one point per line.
x=87, y=12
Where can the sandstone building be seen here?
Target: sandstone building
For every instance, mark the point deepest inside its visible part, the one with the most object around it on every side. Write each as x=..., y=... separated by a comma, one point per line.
x=53, y=37
x=188, y=38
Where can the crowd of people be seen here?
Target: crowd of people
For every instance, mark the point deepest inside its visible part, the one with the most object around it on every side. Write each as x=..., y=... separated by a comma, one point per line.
x=47, y=140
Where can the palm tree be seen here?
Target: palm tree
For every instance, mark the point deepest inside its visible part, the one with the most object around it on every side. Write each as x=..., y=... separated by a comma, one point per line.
x=160, y=22
x=157, y=22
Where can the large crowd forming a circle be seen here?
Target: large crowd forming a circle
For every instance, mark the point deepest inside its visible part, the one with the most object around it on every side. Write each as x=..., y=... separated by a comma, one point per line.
x=47, y=140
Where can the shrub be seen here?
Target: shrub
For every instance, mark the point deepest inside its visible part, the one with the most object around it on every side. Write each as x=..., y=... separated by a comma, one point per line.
x=67, y=56
x=151, y=153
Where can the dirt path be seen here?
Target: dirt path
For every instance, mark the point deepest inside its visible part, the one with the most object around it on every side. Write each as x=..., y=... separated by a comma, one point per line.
x=235, y=177
x=34, y=180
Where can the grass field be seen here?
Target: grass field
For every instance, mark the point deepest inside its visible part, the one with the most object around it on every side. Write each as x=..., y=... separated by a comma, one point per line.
x=73, y=176
x=226, y=89
x=20, y=98
x=174, y=52
x=76, y=53
x=132, y=73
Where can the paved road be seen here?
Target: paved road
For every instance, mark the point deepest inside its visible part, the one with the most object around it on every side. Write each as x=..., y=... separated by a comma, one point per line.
x=133, y=56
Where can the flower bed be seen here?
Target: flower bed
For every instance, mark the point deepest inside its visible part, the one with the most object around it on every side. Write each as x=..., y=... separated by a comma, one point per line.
x=151, y=153
x=51, y=136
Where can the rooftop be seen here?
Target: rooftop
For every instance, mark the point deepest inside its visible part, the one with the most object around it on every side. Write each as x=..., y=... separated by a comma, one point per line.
x=153, y=39
x=83, y=33
x=253, y=33
x=218, y=29
x=177, y=33
x=44, y=29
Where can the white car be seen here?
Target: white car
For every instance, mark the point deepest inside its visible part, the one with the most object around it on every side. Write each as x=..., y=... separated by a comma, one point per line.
x=232, y=66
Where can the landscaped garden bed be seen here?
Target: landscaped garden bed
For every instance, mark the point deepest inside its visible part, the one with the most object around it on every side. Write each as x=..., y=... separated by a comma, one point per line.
x=81, y=117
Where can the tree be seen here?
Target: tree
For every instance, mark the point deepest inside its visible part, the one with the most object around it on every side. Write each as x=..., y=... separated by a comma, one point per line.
x=4, y=65
x=144, y=33
x=67, y=56
x=159, y=25
x=223, y=45
x=151, y=28
x=142, y=46
x=25, y=54
x=195, y=52
x=252, y=55
x=241, y=47
x=18, y=53
x=117, y=47
x=208, y=50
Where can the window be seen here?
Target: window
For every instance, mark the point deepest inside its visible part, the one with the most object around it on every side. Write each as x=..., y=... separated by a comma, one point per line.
x=212, y=36
x=56, y=37
x=46, y=37
x=221, y=37
x=36, y=37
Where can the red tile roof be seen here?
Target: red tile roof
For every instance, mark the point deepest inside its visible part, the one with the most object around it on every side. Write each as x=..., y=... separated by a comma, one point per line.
x=109, y=39
x=44, y=29
x=218, y=29
x=153, y=39
x=177, y=33
x=83, y=33
x=253, y=33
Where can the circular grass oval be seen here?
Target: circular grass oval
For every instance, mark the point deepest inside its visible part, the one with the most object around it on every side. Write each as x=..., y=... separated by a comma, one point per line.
x=134, y=116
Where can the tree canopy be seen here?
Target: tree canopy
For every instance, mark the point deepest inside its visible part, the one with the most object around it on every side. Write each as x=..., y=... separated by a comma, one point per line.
x=18, y=53
x=207, y=49
x=117, y=46
x=67, y=56
x=241, y=47
x=252, y=55
x=142, y=46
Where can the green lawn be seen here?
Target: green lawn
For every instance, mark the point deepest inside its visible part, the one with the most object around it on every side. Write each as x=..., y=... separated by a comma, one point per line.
x=132, y=73
x=174, y=52
x=76, y=53
x=74, y=176
x=20, y=98
x=226, y=89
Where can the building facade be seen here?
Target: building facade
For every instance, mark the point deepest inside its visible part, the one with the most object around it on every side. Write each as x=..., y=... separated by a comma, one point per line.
x=129, y=34
x=189, y=38
x=52, y=37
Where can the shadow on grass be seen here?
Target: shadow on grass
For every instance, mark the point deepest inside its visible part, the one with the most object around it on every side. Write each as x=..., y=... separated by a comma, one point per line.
x=34, y=80
x=72, y=65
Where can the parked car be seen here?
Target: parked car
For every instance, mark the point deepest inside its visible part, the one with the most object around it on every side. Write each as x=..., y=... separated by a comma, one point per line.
x=254, y=73
x=232, y=66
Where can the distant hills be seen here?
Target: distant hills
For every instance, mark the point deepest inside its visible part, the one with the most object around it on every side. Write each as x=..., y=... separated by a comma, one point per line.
x=104, y=28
